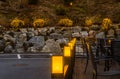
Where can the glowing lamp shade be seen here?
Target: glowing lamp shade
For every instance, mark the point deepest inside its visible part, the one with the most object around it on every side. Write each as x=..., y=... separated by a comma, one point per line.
x=57, y=64
x=67, y=51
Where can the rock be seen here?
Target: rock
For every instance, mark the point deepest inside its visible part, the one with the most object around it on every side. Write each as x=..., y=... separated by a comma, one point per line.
x=52, y=46
x=2, y=45
x=55, y=36
x=22, y=37
x=36, y=33
x=26, y=45
x=62, y=42
x=42, y=31
x=67, y=34
x=30, y=29
x=51, y=30
x=19, y=45
x=58, y=31
x=76, y=29
x=23, y=30
x=30, y=35
x=16, y=35
x=38, y=41
x=32, y=50
x=8, y=49
x=20, y=50
x=11, y=33
x=7, y=37
x=76, y=34
x=46, y=49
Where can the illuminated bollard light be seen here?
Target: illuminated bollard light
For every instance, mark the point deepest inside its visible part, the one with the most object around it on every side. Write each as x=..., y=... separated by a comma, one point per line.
x=73, y=41
x=57, y=64
x=71, y=45
x=67, y=51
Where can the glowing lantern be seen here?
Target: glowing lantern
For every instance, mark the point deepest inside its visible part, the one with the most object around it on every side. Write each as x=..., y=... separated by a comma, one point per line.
x=71, y=45
x=67, y=51
x=57, y=64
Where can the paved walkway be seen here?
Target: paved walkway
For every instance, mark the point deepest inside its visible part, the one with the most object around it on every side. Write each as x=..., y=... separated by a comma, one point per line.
x=79, y=71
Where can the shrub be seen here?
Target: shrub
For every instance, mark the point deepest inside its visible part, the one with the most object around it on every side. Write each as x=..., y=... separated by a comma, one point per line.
x=39, y=23
x=65, y=22
x=17, y=23
x=106, y=23
x=88, y=22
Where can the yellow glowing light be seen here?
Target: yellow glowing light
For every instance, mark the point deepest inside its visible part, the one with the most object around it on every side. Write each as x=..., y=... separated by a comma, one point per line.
x=73, y=41
x=57, y=64
x=71, y=45
x=109, y=41
x=67, y=51
x=65, y=69
x=71, y=3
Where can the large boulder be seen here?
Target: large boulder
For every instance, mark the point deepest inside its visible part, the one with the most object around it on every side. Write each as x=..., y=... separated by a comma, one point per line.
x=9, y=38
x=37, y=41
x=52, y=47
x=8, y=49
x=62, y=42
